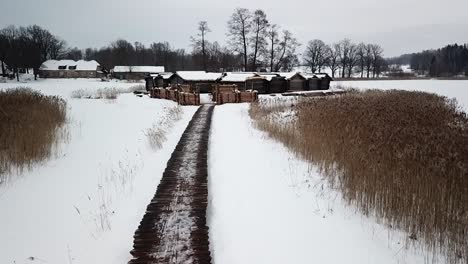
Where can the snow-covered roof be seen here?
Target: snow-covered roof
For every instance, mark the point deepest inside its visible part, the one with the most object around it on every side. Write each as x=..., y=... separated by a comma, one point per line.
x=140, y=69
x=80, y=65
x=268, y=76
x=287, y=75
x=236, y=76
x=315, y=75
x=199, y=75
x=164, y=75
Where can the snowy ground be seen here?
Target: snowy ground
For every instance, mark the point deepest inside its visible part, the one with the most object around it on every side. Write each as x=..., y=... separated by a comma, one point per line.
x=266, y=206
x=451, y=88
x=84, y=205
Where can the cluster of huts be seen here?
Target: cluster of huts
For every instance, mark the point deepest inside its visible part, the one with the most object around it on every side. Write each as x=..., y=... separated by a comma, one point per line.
x=261, y=82
x=201, y=81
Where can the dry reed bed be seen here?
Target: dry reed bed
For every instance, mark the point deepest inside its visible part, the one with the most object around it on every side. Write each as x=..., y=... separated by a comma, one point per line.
x=397, y=155
x=30, y=128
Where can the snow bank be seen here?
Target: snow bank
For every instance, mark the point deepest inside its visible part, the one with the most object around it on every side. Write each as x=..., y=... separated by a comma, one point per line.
x=84, y=206
x=267, y=206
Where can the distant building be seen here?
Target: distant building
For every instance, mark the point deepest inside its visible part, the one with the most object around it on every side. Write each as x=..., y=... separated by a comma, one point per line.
x=135, y=72
x=70, y=69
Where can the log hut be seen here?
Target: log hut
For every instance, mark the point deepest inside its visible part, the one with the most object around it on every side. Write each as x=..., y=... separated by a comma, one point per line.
x=162, y=80
x=317, y=81
x=201, y=81
x=236, y=78
x=275, y=82
x=295, y=81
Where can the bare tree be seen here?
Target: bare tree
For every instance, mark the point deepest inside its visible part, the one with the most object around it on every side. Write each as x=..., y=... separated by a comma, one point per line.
x=199, y=43
x=259, y=30
x=377, y=53
x=13, y=50
x=316, y=55
x=344, y=48
x=273, y=42
x=4, y=48
x=334, y=58
x=73, y=54
x=239, y=28
x=352, y=58
x=286, y=54
x=361, y=57
x=368, y=59
x=57, y=48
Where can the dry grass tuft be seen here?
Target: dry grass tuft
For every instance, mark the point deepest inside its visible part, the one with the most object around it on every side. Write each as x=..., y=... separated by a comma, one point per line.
x=110, y=93
x=105, y=93
x=401, y=156
x=30, y=128
x=157, y=133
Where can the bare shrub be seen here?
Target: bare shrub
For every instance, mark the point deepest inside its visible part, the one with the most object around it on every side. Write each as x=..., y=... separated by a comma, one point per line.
x=157, y=133
x=30, y=127
x=401, y=156
x=109, y=93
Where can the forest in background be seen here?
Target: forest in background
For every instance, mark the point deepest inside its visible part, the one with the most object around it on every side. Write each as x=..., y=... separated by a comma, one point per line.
x=254, y=43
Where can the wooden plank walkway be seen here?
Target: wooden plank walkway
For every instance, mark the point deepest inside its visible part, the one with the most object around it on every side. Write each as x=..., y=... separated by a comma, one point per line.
x=174, y=230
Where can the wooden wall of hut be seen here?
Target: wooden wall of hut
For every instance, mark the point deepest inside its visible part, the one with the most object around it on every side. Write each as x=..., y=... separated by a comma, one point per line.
x=315, y=84
x=240, y=85
x=318, y=84
x=297, y=83
x=69, y=74
x=160, y=82
x=278, y=85
x=258, y=84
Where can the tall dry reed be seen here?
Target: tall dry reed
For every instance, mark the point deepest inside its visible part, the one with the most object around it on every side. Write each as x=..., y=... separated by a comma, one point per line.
x=30, y=127
x=397, y=155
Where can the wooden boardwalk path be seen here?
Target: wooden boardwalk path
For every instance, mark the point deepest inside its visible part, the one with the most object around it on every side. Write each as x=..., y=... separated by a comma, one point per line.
x=174, y=230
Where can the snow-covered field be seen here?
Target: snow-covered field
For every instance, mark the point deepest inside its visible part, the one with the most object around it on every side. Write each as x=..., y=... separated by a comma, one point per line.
x=451, y=88
x=267, y=206
x=84, y=205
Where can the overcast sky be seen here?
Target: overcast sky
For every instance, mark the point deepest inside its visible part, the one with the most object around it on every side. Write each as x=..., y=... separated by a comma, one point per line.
x=400, y=26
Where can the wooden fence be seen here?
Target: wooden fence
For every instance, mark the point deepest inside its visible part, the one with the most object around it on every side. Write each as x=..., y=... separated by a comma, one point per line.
x=181, y=97
x=223, y=94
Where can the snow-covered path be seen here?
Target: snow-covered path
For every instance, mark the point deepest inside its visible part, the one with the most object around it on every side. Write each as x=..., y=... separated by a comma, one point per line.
x=266, y=206
x=173, y=229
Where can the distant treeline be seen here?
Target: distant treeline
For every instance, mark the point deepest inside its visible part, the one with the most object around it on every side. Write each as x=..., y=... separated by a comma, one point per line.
x=449, y=61
x=253, y=44
x=28, y=47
